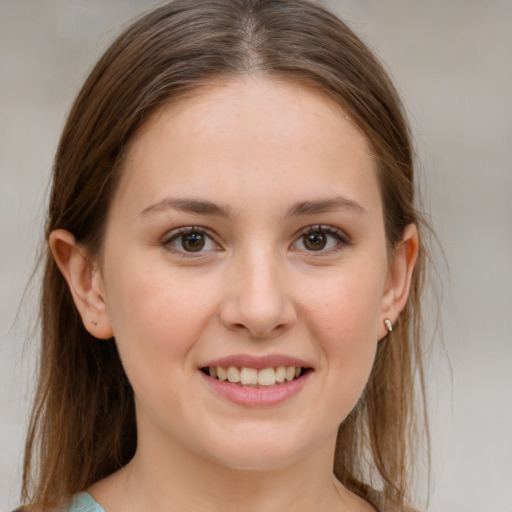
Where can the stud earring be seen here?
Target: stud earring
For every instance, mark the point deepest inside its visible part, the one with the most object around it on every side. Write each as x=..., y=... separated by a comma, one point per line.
x=388, y=325
x=94, y=322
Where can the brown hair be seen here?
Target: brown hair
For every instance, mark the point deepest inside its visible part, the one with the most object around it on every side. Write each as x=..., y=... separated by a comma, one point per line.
x=83, y=422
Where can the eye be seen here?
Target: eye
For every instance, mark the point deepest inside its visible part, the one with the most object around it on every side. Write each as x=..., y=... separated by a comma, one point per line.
x=189, y=240
x=320, y=239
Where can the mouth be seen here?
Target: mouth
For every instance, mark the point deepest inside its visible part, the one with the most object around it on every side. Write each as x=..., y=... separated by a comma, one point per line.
x=271, y=376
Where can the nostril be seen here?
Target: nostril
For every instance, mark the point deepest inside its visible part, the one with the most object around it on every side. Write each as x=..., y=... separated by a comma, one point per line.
x=260, y=315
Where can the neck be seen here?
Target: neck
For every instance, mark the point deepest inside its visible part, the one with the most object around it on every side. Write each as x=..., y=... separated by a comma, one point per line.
x=189, y=482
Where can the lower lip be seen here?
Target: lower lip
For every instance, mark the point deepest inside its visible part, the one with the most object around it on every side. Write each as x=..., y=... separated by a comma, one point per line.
x=257, y=397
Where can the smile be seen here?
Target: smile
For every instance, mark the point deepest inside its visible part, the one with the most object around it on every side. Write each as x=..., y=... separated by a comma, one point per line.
x=256, y=381
x=253, y=377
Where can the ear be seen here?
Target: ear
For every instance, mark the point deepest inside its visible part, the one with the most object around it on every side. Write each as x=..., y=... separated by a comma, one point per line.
x=399, y=278
x=84, y=280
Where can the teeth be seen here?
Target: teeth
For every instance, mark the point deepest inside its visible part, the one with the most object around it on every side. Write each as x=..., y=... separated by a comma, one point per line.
x=280, y=374
x=222, y=374
x=290, y=373
x=233, y=374
x=248, y=376
x=267, y=377
x=252, y=377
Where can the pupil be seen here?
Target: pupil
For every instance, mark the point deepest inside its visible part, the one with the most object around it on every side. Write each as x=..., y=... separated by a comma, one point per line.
x=192, y=242
x=315, y=241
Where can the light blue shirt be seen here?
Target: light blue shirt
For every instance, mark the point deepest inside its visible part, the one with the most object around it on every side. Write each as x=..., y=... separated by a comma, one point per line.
x=84, y=502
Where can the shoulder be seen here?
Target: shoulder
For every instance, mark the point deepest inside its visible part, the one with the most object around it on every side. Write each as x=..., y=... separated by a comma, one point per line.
x=380, y=504
x=82, y=502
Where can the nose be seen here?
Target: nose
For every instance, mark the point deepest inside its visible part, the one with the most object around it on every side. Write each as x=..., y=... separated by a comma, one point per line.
x=258, y=297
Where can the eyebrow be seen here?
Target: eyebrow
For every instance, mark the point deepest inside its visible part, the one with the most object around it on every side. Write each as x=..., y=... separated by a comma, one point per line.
x=325, y=205
x=189, y=205
x=204, y=207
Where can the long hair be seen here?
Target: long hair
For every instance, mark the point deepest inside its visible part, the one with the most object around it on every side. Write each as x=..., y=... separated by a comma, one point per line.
x=83, y=421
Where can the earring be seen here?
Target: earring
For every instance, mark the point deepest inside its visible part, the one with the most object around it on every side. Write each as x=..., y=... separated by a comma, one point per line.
x=388, y=325
x=94, y=322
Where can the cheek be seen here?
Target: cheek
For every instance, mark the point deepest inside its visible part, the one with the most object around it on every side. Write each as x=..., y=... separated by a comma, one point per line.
x=347, y=305
x=157, y=315
x=344, y=317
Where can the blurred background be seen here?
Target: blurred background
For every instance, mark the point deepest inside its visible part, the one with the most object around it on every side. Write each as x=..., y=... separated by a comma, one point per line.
x=452, y=63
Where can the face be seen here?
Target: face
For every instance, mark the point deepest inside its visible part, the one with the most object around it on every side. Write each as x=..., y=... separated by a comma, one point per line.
x=246, y=241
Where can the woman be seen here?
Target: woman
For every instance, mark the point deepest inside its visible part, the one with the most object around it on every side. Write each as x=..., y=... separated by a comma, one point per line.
x=231, y=297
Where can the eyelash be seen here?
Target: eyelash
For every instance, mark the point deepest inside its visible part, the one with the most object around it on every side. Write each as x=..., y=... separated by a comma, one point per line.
x=176, y=234
x=342, y=240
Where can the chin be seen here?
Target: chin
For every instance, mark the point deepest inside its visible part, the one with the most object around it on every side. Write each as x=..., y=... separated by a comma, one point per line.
x=263, y=451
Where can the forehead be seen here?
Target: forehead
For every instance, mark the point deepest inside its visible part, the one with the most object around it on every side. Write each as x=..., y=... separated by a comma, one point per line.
x=252, y=103
x=246, y=139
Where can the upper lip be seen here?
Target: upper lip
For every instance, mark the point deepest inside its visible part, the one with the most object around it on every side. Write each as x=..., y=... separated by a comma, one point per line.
x=258, y=362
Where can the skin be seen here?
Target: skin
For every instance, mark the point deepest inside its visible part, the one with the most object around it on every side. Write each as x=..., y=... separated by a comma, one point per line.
x=257, y=148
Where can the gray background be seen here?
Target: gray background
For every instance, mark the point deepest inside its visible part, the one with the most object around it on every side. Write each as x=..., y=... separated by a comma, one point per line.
x=452, y=61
